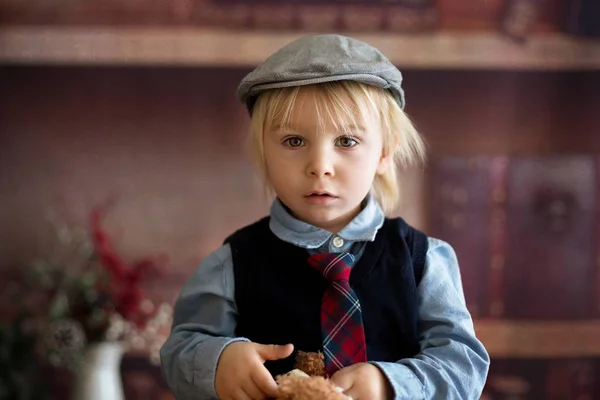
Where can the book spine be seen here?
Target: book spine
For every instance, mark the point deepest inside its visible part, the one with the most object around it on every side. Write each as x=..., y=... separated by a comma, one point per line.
x=499, y=167
x=583, y=18
x=597, y=205
x=519, y=18
x=320, y=16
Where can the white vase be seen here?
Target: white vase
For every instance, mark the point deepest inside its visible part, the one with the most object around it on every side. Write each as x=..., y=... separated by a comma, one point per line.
x=99, y=377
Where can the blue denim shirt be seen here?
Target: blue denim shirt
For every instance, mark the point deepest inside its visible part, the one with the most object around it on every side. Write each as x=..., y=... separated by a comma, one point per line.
x=452, y=364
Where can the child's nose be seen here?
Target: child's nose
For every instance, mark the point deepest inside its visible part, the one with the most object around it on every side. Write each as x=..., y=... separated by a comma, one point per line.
x=320, y=164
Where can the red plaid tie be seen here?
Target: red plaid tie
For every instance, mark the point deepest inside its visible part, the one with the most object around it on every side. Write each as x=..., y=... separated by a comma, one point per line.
x=341, y=317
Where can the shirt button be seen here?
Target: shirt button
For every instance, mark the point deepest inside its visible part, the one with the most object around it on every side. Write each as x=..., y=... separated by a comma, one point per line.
x=338, y=241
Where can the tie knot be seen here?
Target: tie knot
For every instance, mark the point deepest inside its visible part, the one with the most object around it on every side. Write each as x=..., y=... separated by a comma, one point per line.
x=334, y=267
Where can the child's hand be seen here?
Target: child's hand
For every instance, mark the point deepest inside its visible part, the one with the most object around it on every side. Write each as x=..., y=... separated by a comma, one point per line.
x=241, y=374
x=363, y=381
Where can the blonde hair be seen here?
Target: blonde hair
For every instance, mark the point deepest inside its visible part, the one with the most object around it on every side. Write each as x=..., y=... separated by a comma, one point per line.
x=368, y=104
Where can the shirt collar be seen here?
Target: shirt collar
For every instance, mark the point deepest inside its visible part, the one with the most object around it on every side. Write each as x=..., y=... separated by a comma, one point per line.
x=363, y=227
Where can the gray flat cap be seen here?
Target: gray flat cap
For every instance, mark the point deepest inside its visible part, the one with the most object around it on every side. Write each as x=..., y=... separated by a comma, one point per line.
x=318, y=59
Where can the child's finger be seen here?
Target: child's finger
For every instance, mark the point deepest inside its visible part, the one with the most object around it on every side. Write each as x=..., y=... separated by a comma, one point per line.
x=274, y=351
x=254, y=391
x=264, y=381
x=241, y=394
x=354, y=393
x=343, y=378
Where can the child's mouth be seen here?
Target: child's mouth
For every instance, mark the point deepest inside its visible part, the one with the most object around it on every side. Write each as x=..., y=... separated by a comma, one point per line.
x=320, y=194
x=320, y=197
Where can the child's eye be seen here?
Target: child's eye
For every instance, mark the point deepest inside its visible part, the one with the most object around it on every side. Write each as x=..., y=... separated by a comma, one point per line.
x=294, y=141
x=346, y=141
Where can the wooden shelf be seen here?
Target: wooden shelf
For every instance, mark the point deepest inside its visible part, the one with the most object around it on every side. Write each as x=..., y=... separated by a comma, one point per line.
x=201, y=47
x=540, y=339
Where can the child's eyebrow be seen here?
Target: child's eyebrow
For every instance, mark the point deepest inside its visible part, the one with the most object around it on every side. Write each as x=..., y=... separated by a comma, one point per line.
x=352, y=128
x=280, y=127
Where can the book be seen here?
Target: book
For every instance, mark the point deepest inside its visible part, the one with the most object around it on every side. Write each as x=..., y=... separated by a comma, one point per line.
x=583, y=18
x=526, y=230
x=321, y=15
x=519, y=18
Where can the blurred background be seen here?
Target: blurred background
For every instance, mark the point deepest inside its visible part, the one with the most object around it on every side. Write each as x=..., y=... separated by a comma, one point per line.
x=123, y=163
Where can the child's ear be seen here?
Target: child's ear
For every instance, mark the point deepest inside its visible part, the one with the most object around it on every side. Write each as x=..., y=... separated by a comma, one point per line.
x=384, y=163
x=387, y=155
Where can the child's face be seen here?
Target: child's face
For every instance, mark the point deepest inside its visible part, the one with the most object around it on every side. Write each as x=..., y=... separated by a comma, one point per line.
x=322, y=175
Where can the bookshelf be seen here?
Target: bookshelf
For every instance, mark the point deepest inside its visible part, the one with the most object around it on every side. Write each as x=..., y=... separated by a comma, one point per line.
x=140, y=46
x=539, y=339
